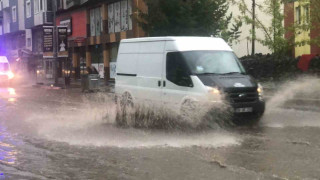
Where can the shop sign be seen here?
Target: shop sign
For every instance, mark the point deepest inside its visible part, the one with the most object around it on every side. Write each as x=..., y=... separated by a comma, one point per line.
x=62, y=41
x=100, y=68
x=67, y=22
x=48, y=41
x=80, y=40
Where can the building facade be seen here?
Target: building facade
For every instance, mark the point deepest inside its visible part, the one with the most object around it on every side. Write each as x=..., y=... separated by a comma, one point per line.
x=12, y=28
x=298, y=14
x=22, y=33
x=95, y=31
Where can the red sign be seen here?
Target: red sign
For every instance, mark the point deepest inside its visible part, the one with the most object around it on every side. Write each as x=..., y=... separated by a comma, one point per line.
x=79, y=40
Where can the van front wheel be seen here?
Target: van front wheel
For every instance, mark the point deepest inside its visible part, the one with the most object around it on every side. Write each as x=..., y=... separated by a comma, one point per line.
x=188, y=111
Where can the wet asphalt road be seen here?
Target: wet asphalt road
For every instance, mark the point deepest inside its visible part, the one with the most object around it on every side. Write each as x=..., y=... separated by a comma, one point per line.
x=58, y=134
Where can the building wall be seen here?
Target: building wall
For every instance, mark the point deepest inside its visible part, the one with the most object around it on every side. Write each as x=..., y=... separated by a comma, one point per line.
x=315, y=31
x=289, y=22
x=21, y=14
x=244, y=47
x=291, y=18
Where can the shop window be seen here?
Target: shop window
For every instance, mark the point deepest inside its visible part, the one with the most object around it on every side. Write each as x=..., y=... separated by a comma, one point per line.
x=114, y=51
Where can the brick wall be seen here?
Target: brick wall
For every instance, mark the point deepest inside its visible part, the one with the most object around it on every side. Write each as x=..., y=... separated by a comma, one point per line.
x=288, y=23
x=79, y=20
x=315, y=32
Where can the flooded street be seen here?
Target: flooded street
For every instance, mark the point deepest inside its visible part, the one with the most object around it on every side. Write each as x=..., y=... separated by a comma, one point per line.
x=64, y=134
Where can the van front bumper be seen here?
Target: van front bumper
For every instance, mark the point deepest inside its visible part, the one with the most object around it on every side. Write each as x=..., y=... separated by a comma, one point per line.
x=256, y=108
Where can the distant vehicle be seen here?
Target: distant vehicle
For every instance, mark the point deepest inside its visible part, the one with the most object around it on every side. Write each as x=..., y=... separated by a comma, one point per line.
x=179, y=72
x=6, y=75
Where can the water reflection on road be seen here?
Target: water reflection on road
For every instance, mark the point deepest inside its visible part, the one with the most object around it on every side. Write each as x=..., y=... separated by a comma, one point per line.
x=46, y=134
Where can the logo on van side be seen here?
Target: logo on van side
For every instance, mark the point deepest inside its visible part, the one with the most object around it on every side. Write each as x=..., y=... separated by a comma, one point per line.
x=239, y=85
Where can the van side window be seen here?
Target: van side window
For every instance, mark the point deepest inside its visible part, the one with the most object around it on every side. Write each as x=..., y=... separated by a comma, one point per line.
x=177, y=71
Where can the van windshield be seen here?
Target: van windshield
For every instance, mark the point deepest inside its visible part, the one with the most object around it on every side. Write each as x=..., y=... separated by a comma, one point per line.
x=211, y=62
x=4, y=67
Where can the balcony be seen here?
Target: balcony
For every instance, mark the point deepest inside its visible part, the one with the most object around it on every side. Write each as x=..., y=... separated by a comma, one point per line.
x=71, y=3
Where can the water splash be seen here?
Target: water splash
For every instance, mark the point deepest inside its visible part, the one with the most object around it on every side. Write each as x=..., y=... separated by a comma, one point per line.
x=302, y=88
x=93, y=124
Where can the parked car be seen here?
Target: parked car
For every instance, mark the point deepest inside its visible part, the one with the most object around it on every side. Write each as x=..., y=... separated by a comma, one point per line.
x=177, y=72
x=6, y=75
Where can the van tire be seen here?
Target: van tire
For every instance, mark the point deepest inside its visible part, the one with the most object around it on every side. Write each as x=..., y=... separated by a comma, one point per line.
x=124, y=106
x=188, y=110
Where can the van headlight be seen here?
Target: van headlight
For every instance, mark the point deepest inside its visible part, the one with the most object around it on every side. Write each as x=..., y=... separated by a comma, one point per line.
x=10, y=75
x=260, y=91
x=213, y=90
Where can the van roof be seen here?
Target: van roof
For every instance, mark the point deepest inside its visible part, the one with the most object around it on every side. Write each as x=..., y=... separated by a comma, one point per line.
x=167, y=38
x=185, y=43
x=3, y=59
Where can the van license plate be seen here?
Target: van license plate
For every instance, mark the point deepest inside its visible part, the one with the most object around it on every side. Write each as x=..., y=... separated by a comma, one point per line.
x=244, y=110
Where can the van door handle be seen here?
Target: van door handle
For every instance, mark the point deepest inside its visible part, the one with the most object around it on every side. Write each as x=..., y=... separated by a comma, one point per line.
x=159, y=83
x=164, y=83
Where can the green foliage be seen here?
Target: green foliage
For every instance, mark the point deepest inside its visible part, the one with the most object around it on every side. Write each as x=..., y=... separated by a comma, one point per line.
x=271, y=67
x=189, y=18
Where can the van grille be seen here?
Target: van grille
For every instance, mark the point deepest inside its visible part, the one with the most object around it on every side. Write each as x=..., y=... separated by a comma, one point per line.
x=242, y=96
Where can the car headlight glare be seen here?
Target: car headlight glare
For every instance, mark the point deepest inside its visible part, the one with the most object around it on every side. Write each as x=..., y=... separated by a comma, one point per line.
x=212, y=90
x=10, y=75
x=260, y=91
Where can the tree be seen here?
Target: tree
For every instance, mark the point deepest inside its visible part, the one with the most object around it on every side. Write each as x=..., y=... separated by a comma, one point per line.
x=189, y=18
x=273, y=34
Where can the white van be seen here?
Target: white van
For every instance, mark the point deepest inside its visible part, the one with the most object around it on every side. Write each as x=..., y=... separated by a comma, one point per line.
x=6, y=74
x=175, y=71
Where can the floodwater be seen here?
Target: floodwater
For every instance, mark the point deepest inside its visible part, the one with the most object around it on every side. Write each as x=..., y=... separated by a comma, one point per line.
x=59, y=134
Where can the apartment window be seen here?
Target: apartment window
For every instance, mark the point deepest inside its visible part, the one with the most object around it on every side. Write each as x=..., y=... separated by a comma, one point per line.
x=49, y=5
x=41, y=5
x=36, y=6
x=298, y=15
x=306, y=14
x=14, y=14
x=28, y=9
x=95, y=22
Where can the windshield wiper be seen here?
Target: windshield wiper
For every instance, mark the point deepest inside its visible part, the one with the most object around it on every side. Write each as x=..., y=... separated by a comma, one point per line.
x=207, y=74
x=232, y=73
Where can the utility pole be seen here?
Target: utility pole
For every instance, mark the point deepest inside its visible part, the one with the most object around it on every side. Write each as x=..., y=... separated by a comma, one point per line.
x=253, y=26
